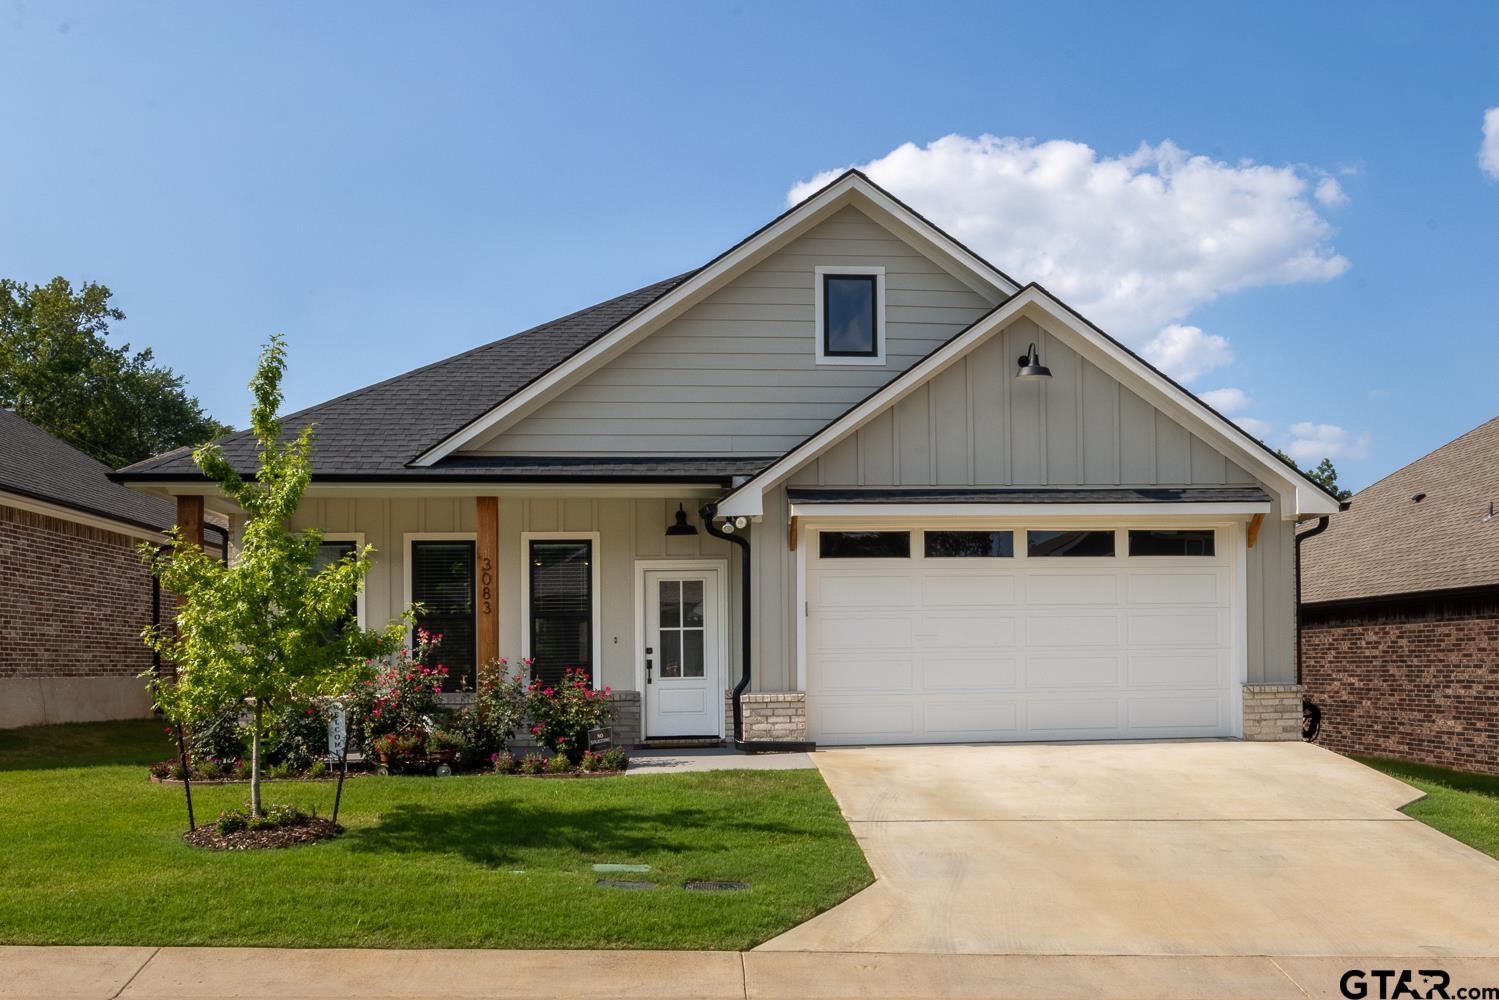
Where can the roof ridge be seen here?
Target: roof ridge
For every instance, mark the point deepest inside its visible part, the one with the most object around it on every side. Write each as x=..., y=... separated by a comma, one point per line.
x=1417, y=461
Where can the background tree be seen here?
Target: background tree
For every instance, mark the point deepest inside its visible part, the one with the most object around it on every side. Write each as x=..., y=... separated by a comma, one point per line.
x=58, y=371
x=264, y=630
x=1324, y=475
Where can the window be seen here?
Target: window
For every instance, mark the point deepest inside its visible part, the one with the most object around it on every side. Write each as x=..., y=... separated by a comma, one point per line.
x=327, y=554
x=682, y=628
x=864, y=544
x=850, y=316
x=1171, y=543
x=442, y=582
x=561, y=585
x=1069, y=543
x=968, y=544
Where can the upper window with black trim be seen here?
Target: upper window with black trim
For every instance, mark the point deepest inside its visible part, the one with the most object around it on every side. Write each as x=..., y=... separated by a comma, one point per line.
x=850, y=316
x=1196, y=542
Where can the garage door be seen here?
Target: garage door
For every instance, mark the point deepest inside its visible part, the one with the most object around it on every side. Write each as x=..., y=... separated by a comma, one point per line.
x=937, y=635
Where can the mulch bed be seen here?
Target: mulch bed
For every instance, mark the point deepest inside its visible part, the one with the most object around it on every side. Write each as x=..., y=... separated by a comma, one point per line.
x=310, y=832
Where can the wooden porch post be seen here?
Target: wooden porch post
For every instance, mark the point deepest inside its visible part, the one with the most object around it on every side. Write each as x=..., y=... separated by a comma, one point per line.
x=486, y=581
x=190, y=519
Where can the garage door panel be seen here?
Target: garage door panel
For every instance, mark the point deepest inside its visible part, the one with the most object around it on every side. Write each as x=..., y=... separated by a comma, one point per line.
x=968, y=590
x=849, y=590
x=1180, y=628
x=1071, y=589
x=835, y=633
x=1072, y=630
x=1177, y=670
x=983, y=649
x=1072, y=672
x=1181, y=588
x=971, y=719
x=1175, y=714
x=867, y=674
x=941, y=673
x=1072, y=715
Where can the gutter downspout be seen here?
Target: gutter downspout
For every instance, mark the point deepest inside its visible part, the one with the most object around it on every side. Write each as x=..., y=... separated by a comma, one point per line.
x=707, y=513
x=1311, y=714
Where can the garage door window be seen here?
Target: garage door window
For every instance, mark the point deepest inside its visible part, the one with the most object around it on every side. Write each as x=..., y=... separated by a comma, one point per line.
x=864, y=544
x=968, y=544
x=1044, y=544
x=1171, y=543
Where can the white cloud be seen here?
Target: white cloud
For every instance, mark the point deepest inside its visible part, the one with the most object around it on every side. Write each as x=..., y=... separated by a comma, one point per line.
x=1227, y=400
x=1259, y=428
x=1134, y=242
x=1330, y=193
x=1488, y=153
x=1311, y=442
x=1185, y=352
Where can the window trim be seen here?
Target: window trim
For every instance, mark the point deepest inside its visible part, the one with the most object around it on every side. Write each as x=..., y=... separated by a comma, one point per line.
x=406, y=565
x=912, y=550
x=596, y=621
x=820, y=275
x=1113, y=532
x=1129, y=544
x=968, y=530
x=357, y=537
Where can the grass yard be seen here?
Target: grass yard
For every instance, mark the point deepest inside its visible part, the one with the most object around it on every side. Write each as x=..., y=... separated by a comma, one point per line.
x=1463, y=806
x=93, y=855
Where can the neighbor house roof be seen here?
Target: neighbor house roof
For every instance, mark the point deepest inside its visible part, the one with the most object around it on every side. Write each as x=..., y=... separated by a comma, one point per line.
x=38, y=466
x=1388, y=543
x=374, y=432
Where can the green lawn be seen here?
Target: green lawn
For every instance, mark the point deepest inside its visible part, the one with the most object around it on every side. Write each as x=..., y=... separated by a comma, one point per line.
x=1463, y=806
x=93, y=855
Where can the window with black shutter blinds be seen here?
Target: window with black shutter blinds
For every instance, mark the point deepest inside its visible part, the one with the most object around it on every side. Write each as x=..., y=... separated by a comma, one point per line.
x=442, y=582
x=561, y=607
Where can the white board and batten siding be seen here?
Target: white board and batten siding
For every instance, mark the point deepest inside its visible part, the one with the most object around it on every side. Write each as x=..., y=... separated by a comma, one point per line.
x=737, y=373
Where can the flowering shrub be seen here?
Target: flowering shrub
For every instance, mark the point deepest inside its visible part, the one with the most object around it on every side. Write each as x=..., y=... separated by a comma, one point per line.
x=614, y=759
x=487, y=725
x=298, y=735
x=533, y=763
x=402, y=695
x=400, y=748
x=503, y=763
x=561, y=715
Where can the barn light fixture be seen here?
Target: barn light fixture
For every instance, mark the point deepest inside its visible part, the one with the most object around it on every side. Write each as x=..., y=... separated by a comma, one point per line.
x=681, y=528
x=1031, y=367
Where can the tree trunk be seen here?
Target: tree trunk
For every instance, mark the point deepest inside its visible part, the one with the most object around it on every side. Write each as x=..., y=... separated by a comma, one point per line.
x=255, y=763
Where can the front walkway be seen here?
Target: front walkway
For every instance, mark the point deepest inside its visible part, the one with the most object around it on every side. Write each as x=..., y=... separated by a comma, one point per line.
x=242, y=973
x=1197, y=848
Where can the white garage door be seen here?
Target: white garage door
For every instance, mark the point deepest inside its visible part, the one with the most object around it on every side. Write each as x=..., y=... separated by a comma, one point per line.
x=1014, y=635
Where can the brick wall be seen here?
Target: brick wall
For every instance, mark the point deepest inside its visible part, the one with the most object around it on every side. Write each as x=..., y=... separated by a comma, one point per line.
x=73, y=599
x=1409, y=686
x=774, y=715
x=1272, y=712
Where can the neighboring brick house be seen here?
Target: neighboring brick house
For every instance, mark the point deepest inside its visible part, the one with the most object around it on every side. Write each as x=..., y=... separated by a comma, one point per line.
x=1400, y=612
x=74, y=594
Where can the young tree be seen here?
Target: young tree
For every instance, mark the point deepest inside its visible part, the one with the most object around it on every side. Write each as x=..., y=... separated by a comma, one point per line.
x=59, y=372
x=1324, y=475
x=265, y=629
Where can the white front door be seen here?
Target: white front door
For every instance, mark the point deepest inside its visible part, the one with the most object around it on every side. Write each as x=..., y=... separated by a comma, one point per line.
x=682, y=672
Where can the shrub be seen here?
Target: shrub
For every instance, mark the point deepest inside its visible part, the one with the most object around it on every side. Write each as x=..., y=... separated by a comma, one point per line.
x=163, y=768
x=504, y=762
x=401, y=748
x=445, y=741
x=614, y=759
x=533, y=763
x=219, y=736
x=559, y=764
x=178, y=771
x=298, y=735
x=317, y=770
x=489, y=723
x=209, y=770
x=279, y=771
x=239, y=770
x=562, y=715
x=590, y=762
x=402, y=695
x=273, y=817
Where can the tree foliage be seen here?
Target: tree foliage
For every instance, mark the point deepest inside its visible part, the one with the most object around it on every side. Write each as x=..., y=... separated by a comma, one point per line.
x=58, y=370
x=265, y=630
x=1324, y=475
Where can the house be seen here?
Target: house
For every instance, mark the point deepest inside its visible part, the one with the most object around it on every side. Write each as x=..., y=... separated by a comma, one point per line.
x=74, y=594
x=809, y=488
x=1400, y=615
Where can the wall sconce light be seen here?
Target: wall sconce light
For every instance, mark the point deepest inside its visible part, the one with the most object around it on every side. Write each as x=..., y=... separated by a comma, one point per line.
x=1031, y=367
x=681, y=528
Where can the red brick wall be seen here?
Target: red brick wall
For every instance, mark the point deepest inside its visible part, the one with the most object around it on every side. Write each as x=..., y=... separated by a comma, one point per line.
x=1414, y=688
x=73, y=599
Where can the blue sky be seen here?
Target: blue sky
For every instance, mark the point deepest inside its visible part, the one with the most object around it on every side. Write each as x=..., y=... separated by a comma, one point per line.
x=390, y=184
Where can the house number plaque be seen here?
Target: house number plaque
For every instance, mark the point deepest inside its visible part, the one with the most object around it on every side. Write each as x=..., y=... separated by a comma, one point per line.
x=486, y=585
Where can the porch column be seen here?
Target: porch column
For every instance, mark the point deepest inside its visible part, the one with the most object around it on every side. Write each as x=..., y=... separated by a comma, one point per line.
x=190, y=519
x=486, y=579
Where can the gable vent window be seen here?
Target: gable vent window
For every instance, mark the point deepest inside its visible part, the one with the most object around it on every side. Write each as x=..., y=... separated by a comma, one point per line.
x=850, y=316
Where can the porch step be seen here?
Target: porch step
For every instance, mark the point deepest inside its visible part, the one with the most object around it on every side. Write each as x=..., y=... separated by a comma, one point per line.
x=680, y=743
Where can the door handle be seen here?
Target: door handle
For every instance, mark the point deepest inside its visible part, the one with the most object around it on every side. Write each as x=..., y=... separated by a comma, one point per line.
x=647, y=671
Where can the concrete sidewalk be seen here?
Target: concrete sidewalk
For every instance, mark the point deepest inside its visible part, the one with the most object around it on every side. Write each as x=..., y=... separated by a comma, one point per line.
x=242, y=973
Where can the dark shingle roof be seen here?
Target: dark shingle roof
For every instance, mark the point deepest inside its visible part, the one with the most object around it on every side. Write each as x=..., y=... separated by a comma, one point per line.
x=1190, y=494
x=375, y=431
x=36, y=465
x=1386, y=543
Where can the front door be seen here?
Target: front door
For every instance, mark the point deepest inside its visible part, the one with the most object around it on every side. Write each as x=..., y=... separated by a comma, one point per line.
x=682, y=669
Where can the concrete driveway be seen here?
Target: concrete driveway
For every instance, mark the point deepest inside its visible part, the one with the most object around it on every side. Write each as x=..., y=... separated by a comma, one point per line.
x=1195, y=848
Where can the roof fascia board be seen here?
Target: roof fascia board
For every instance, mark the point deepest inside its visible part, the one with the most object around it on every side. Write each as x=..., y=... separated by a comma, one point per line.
x=850, y=188
x=671, y=489
x=1030, y=510
x=1297, y=498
